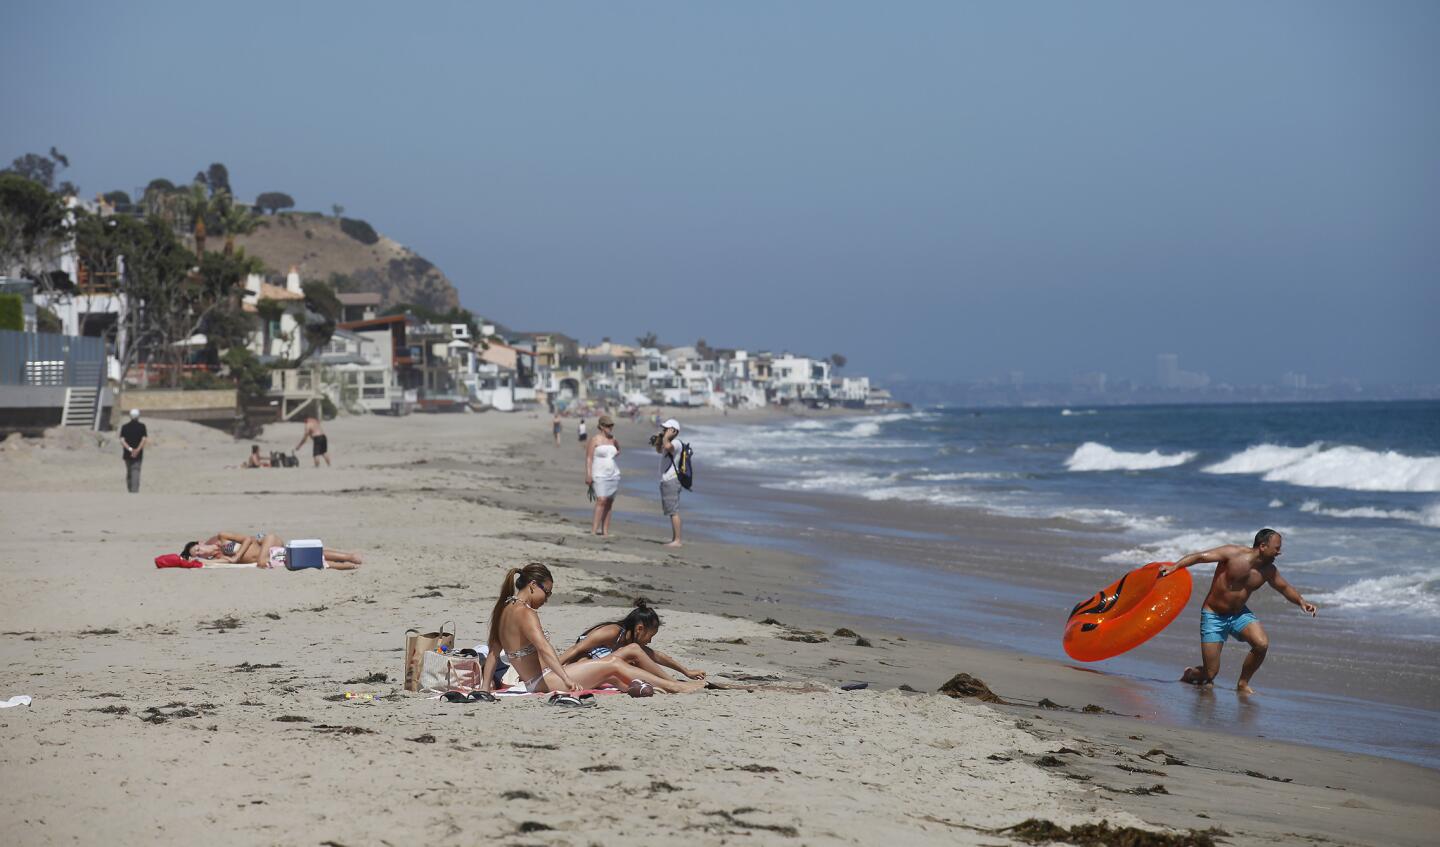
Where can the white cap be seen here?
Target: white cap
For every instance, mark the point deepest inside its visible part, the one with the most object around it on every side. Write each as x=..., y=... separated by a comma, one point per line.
x=672, y=424
x=134, y=413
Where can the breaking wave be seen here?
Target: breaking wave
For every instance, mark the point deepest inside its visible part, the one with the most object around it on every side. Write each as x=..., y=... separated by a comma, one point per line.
x=1093, y=456
x=1417, y=593
x=1344, y=466
x=1429, y=516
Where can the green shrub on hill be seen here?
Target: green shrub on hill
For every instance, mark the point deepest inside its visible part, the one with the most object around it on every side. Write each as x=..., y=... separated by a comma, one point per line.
x=12, y=312
x=359, y=230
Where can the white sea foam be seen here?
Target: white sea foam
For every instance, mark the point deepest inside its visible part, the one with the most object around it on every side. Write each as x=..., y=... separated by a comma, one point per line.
x=1277, y=504
x=1169, y=549
x=1417, y=592
x=963, y=476
x=861, y=430
x=1093, y=456
x=1429, y=516
x=1343, y=466
x=1070, y=413
x=838, y=483
x=1115, y=518
x=922, y=494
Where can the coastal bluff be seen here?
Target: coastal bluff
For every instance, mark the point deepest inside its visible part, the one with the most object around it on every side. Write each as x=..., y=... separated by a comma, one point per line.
x=319, y=245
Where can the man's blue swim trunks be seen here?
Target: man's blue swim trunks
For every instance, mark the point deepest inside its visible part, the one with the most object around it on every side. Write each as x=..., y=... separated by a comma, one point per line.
x=1214, y=628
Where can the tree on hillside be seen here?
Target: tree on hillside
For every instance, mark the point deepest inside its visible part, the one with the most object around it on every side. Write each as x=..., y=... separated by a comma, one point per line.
x=274, y=201
x=41, y=169
x=337, y=209
x=649, y=339
x=163, y=200
x=838, y=360
x=155, y=281
x=33, y=226
x=217, y=178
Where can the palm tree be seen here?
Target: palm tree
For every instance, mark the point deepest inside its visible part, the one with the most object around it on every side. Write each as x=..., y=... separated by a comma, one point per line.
x=199, y=205
x=236, y=219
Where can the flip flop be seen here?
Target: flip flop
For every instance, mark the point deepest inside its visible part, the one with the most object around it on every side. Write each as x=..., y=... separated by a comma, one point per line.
x=472, y=697
x=560, y=698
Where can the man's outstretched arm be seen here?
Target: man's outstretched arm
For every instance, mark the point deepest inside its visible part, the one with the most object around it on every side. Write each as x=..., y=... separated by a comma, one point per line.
x=1216, y=555
x=1288, y=591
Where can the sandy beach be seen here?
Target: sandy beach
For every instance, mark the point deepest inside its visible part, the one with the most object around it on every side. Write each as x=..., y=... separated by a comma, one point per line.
x=171, y=704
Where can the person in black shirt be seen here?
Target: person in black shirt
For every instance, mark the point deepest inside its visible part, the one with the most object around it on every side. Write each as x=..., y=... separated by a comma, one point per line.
x=133, y=438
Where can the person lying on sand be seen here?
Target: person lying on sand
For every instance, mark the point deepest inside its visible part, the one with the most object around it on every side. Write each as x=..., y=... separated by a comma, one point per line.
x=1239, y=572
x=515, y=628
x=628, y=640
x=260, y=550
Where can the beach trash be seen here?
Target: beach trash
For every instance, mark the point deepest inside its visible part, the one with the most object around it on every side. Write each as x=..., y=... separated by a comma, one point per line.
x=304, y=553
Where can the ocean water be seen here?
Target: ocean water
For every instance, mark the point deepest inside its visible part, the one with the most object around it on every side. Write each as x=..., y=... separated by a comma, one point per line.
x=1354, y=487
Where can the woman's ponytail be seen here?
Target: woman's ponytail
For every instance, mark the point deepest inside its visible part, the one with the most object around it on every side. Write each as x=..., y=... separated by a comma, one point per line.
x=515, y=579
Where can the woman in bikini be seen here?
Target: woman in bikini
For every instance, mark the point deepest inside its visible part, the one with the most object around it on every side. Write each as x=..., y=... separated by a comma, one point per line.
x=264, y=550
x=628, y=640
x=515, y=628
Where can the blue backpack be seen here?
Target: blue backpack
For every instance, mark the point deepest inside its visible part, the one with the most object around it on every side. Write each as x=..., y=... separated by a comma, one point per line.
x=684, y=465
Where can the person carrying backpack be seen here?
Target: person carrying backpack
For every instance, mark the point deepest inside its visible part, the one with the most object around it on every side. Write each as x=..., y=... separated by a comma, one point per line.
x=674, y=473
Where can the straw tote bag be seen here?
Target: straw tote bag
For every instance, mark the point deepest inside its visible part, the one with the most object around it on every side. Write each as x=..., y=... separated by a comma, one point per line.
x=417, y=644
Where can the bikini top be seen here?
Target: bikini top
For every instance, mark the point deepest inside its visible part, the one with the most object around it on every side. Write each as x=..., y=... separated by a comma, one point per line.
x=528, y=649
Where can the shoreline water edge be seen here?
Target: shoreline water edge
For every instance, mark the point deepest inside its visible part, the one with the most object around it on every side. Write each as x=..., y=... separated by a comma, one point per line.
x=263, y=706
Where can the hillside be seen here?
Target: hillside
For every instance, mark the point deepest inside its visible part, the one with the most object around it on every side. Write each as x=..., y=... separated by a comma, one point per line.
x=319, y=247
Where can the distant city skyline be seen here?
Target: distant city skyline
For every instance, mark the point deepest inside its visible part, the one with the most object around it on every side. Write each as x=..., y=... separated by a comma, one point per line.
x=940, y=191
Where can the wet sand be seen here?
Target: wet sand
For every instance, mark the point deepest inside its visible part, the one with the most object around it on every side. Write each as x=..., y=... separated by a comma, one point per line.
x=170, y=703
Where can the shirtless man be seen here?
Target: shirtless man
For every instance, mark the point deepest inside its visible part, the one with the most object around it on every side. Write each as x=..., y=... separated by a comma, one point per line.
x=317, y=435
x=1239, y=573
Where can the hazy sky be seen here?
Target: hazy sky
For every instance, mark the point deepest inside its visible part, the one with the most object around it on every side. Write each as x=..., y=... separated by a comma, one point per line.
x=933, y=189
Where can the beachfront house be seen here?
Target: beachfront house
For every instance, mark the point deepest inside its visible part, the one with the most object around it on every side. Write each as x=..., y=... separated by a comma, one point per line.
x=851, y=391
x=800, y=379
x=358, y=305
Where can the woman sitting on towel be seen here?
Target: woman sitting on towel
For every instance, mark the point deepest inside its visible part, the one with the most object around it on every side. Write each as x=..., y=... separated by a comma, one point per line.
x=515, y=628
x=628, y=640
x=264, y=550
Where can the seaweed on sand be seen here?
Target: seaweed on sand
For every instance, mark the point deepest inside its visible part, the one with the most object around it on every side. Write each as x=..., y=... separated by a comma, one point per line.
x=1039, y=831
x=965, y=685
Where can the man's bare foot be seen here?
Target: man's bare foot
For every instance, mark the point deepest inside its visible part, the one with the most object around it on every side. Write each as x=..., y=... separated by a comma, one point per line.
x=1244, y=688
x=1195, y=676
x=673, y=544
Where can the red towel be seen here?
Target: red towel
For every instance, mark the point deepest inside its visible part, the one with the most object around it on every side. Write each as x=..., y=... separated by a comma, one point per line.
x=173, y=560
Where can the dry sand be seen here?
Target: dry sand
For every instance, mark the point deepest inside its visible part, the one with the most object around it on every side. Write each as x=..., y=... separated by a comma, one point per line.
x=440, y=505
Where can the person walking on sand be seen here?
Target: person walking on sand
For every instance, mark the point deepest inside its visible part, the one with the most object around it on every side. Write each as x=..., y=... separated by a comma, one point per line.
x=133, y=438
x=667, y=446
x=602, y=473
x=555, y=425
x=1239, y=572
x=316, y=435
x=580, y=430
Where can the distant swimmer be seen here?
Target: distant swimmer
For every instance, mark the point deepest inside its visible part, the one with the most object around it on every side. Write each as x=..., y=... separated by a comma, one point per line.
x=1239, y=572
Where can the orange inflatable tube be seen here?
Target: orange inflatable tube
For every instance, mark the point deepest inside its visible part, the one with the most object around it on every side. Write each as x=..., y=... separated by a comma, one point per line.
x=1126, y=613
